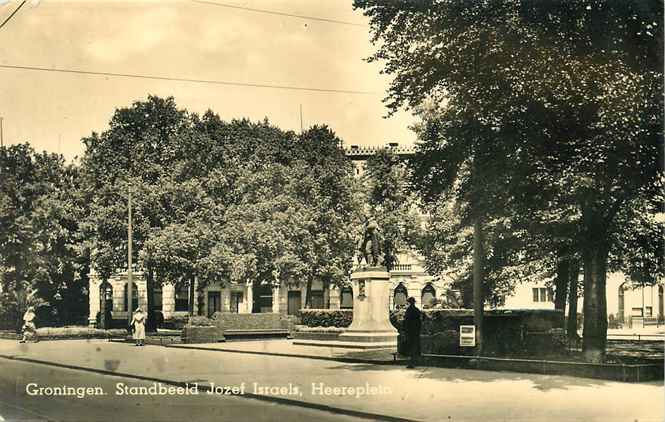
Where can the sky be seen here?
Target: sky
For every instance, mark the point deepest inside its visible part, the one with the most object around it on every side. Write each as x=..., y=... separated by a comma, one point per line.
x=200, y=39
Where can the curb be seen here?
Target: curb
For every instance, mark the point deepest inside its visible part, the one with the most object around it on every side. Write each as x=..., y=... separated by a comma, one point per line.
x=270, y=399
x=292, y=355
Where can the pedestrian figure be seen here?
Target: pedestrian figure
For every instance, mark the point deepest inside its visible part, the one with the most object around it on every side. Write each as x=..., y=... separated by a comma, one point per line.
x=412, y=325
x=138, y=322
x=29, y=328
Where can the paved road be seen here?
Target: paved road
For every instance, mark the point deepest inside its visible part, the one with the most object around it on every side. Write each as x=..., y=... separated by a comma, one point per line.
x=428, y=394
x=16, y=404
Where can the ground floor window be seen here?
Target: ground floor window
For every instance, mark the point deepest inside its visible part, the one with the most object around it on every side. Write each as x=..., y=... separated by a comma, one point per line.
x=236, y=300
x=346, y=298
x=428, y=296
x=543, y=294
x=294, y=302
x=214, y=302
x=400, y=296
x=157, y=298
x=182, y=299
x=316, y=299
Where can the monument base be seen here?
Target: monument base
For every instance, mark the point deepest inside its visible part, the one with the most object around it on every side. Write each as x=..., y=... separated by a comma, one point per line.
x=371, y=327
x=389, y=345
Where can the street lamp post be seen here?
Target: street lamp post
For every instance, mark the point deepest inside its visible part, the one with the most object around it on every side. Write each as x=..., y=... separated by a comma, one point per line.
x=129, y=255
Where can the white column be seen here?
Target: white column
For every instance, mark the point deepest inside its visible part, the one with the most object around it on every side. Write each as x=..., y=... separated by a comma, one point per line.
x=303, y=295
x=93, y=299
x=168, y=300
x=195, y=307
x=334, y=297
x=248, y=297
x=275, y=299
x=226, y=299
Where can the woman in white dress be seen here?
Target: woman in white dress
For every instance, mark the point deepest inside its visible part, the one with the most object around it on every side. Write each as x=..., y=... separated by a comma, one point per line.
x=138, y=321
x=29, y=328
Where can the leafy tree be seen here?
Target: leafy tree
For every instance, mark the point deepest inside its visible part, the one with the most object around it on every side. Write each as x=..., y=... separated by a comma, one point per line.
x=138, y=150
x=40, y=241
x=392, y=204
x=560, y=97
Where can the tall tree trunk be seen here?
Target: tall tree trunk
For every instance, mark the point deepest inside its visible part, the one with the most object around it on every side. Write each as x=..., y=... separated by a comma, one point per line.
x=308, y=292
x=191, y=295
x=478, y=299
x=151, y=322
x=594, y=339
x=571, y=327
x=103, y=323
x=561, y=282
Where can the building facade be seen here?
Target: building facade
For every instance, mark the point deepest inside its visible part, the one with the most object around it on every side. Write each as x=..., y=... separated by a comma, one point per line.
x=408, y=278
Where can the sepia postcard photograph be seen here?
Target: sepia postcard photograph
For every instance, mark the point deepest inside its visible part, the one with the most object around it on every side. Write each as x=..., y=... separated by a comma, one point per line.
x=332, y=210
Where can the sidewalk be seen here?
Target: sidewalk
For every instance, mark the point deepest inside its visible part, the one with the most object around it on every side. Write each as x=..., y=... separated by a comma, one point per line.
x=288, y=349
x=428, y=394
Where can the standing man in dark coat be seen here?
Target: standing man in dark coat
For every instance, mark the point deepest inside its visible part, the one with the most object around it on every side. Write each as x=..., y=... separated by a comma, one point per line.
x=412, y=325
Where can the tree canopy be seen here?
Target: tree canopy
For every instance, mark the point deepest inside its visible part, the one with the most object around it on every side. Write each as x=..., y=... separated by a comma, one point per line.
x=551, y=110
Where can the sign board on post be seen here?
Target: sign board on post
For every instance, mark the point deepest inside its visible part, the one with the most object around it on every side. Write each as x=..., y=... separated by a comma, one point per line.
x=467, y=335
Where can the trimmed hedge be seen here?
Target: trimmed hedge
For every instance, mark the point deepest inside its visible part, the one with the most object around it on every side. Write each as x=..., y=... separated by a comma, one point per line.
x=65, y=333
x=326, y=317
x=175, y=322
x=507, y=331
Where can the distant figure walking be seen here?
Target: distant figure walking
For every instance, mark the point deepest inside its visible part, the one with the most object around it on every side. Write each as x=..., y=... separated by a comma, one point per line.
x=138, y=321
x=412, y=324
x=29, y=328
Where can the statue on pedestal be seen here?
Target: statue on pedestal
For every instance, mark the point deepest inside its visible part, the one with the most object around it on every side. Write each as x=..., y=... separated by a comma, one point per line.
x=370, y=245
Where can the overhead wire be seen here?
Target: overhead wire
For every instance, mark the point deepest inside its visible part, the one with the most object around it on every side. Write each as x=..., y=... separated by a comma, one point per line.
x=272, y=12
x=12, y=14
x=191, y=80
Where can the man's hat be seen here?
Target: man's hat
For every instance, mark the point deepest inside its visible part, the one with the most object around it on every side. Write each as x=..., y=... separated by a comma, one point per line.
x=411, y=299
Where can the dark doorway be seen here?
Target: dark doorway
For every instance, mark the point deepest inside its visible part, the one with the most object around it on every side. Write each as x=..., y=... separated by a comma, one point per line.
x=346, y=298
x=214, y=302
x=262, y=295
x=105, y=305
x=294, y=302
x=135, y=298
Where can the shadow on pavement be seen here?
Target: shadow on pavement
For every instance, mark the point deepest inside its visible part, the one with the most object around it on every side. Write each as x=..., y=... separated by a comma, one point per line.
x=540, y=382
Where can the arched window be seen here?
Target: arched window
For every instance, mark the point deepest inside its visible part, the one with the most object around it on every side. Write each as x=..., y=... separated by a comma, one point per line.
x=428, y=295
x=400, y=295
x=135, y=297
x=346, y=298
x=106, y=297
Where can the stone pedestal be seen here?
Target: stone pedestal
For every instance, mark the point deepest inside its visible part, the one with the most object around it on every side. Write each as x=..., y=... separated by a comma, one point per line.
x=371, y=327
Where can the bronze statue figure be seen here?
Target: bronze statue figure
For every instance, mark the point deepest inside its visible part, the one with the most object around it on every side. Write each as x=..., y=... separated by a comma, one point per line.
x=370, y=244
